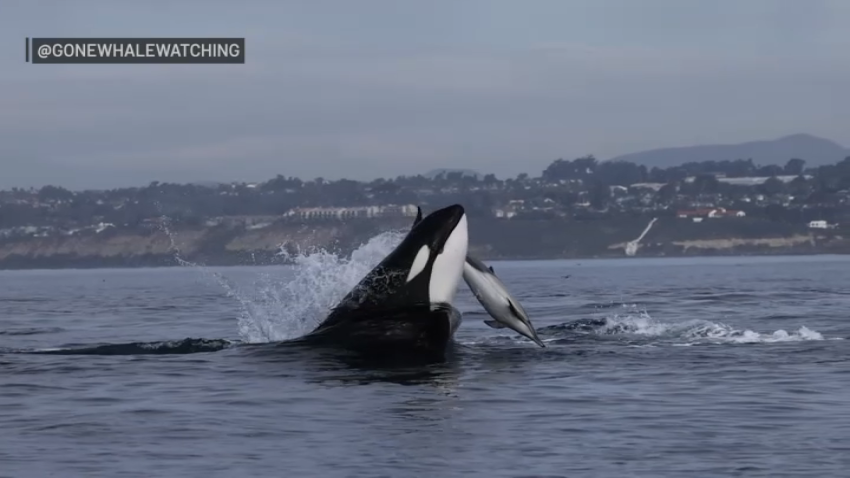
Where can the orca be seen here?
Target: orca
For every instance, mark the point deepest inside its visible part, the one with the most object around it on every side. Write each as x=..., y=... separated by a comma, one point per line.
x=404, y=304
x=494, y=296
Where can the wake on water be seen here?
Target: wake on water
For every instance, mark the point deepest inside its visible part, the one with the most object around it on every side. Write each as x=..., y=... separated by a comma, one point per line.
x=276, y=309
x=637, y=324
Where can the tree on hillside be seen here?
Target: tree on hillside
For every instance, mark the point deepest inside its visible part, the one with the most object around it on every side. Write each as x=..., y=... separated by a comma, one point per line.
x=702, y=184
x=54, y=193
x=772, y=186
x=770, y=170
x=600, y=195
x=799, y=187
x=561, y=169
x=794, y=166
x=666, y=194
x=621, y=173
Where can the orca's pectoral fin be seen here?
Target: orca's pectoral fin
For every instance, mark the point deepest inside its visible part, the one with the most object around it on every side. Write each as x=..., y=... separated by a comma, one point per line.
x=494, y=325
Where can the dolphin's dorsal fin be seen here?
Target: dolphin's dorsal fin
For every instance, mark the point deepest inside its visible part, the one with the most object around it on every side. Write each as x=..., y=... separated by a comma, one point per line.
x=418, y=215
x=491, y=269
x=513, y=308
x=494, y=325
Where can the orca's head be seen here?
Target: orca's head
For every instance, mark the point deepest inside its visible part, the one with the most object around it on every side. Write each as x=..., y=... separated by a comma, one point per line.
x=433, y=253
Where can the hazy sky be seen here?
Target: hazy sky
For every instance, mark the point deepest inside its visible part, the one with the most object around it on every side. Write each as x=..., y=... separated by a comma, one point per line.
x=371, y=88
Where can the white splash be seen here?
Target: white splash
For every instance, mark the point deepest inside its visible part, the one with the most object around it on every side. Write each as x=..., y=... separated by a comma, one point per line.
x=292, y=303
x=281, y=308
x=639, y=322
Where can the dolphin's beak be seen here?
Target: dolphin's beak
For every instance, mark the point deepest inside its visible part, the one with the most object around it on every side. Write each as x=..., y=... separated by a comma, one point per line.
x=533, y=336
x=529, y=333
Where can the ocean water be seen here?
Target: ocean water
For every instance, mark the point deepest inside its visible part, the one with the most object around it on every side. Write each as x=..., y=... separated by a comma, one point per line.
x=653, y=368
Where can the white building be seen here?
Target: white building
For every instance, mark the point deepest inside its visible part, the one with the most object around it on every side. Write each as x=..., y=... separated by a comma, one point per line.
x=392, y=210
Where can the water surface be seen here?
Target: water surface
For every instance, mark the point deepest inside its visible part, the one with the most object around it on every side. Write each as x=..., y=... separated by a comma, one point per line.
x=653, y=368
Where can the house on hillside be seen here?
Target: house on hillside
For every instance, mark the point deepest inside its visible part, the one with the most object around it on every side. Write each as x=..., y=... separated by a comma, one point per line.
x=340, y=213
x=697, y=215
x=821, y=224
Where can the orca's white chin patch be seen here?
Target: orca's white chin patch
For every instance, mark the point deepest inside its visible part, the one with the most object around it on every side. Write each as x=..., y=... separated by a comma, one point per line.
x=448, y=266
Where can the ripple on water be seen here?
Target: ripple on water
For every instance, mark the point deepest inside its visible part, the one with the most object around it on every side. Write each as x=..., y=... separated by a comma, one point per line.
x=650, y=369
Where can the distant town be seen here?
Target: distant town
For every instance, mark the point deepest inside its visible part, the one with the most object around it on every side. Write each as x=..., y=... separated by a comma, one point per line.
x=739, y=199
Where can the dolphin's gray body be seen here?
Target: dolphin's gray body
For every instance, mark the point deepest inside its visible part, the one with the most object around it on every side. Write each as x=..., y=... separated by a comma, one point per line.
x=494, y=297
x=497, y=301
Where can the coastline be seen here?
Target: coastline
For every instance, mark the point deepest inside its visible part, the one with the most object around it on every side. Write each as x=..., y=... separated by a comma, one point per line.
x=489, y=240
x=94, y=265
x=243, y=249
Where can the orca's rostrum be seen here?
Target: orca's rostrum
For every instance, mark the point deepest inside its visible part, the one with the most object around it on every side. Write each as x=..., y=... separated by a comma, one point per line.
x=405, y=304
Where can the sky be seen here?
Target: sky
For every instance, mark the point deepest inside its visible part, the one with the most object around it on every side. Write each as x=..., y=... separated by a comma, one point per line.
x=380, y=88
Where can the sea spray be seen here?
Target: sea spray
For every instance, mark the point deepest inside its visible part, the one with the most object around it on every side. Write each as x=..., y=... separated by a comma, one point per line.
x=293, y=299
x=290, y=305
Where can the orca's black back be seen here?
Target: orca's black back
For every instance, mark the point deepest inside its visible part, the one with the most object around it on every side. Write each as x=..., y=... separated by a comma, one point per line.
x=409, y=330
x=387, y=285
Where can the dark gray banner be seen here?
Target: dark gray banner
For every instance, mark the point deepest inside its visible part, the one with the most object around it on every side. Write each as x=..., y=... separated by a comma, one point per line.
x=136, y=50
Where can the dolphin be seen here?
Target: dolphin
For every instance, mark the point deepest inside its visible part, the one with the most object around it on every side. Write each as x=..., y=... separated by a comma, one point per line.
x=494, y=296
x=497, y=301
x=404, y=304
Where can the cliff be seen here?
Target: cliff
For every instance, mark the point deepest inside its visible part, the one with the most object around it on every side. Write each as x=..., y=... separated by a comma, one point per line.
x=489, y=239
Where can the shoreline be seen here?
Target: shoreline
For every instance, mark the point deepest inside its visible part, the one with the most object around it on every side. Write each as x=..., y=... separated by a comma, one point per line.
x=191, y=264
x=491, y=240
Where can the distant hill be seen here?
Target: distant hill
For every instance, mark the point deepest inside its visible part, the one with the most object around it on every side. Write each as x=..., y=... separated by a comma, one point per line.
x=466, y=172
x=815, y=151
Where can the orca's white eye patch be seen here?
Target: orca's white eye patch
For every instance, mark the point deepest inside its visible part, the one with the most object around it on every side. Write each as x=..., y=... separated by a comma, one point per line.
x=419, y=263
